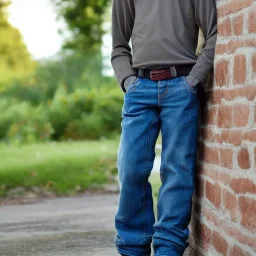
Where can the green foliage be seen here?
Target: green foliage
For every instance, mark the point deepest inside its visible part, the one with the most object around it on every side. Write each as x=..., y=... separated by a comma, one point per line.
x=84, y=20
x=87, y=126
x=82, y=114
x=66, y=97
x=22, y=123
x=75, y=71
x=15, y=60
x=86, y=114
x=33, y=127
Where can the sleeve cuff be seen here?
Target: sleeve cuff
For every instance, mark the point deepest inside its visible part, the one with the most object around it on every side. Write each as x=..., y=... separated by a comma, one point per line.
x=192, y=81
x=123, y=79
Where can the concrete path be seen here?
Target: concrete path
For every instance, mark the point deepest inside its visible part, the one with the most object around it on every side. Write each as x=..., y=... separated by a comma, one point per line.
x=78, y=226
x=74, y=226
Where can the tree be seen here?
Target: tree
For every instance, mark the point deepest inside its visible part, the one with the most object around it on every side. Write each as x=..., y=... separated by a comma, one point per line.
x=15, y=59
x=84, y=20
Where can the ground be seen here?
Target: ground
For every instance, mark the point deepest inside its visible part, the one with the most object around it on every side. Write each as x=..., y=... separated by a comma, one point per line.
x=82, y=225
x=73, y=226
x=79, y=226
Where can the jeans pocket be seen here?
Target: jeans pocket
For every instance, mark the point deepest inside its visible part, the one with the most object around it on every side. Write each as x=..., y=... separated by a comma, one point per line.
x=187, y=86
x=132, y=86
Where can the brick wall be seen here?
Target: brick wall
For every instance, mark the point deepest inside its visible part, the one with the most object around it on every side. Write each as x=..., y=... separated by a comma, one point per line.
x=224, y=205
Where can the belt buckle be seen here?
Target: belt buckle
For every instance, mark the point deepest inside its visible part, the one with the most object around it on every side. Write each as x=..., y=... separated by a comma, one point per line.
x=160, y=74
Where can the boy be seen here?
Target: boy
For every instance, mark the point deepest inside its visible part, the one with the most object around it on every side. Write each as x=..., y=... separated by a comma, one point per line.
x=160, y=81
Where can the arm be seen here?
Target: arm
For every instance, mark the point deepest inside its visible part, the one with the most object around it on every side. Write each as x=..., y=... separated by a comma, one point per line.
x=206, y=19
x=123, y=15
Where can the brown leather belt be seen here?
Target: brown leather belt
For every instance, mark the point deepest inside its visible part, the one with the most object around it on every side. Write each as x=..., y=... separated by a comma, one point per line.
x=157, y=74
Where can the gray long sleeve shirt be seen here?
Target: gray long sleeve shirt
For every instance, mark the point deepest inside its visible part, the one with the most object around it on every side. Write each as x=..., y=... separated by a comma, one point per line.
x=162, y=32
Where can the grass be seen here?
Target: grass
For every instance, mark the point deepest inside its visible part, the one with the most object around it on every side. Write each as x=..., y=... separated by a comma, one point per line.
x=64, y=167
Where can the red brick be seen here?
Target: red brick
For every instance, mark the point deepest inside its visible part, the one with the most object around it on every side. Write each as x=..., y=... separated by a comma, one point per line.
x=238, y=23
x=239, y=69
x=216, y=96
x=221, y=48
x=248, y=209
x=219, y=243
x=205, y=236
x=232, y=120
x=225, y=116
x=231, y=136
x=255, y=158
x=234, y=137
x=224, y=28
x=235, y=44
x=211, y=217
x=229, y=229
x=226, y=157
x=236, y=251
x=250, y=42
x=230, y=203
x=255, y=114
x=210, y=155
x=207, y=134
x=252, y=20
x=241, y=114
x=248, y=91
x=215, y=174
x=209, y=115
x=222, y=72
x=213, y=193
x=243, y=185
x=233, y=7
x=243, y=158
x=254, y=62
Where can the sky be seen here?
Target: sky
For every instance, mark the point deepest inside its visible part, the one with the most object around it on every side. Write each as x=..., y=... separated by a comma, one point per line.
x=37, y=23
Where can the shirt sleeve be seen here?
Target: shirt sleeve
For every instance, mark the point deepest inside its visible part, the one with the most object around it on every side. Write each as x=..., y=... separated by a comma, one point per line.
x=206, y=19
x=123, y=15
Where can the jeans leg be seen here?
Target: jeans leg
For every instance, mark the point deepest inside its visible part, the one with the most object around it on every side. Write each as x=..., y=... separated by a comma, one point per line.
x=179, y=124
x=134, y=217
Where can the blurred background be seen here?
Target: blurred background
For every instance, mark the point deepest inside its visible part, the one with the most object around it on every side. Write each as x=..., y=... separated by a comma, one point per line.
x=59, y=101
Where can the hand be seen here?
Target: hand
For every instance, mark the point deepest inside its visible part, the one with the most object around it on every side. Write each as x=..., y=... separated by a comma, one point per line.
x=192, y=81
x=129, y=81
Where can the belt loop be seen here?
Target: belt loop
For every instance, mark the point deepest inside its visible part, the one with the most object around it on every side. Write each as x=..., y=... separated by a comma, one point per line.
x=173, y=71
x=141, y=72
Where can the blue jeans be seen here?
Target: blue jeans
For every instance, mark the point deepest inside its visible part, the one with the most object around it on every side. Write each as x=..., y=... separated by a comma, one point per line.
x=170, y=106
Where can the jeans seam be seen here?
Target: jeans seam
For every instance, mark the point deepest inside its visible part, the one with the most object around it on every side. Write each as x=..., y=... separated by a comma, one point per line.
x=161, y=96
x=145, y=168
